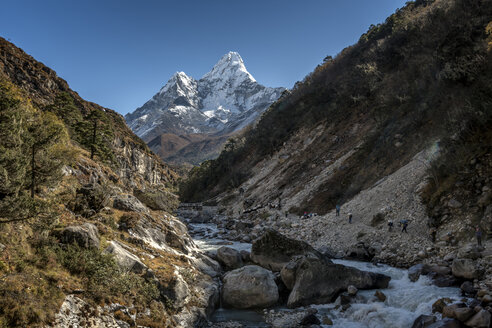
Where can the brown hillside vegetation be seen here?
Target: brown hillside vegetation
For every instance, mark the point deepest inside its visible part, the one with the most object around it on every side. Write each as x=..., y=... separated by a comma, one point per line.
x=422, y=75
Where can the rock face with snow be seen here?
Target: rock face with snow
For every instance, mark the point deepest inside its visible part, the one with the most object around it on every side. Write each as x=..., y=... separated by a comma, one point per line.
x=223, y=101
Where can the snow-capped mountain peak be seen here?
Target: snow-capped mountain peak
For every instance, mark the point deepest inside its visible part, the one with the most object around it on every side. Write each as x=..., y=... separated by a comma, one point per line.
x=224, y=100
x=230, y=66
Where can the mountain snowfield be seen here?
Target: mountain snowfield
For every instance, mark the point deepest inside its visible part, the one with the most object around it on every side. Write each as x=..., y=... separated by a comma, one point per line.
x=223, y=101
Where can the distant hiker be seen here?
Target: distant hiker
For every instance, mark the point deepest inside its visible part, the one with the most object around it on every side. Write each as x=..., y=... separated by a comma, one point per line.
x=390, y=225
x=404, y=223
x=478, y=234
x=350, y=217
x=337, y=208
x=433, y=233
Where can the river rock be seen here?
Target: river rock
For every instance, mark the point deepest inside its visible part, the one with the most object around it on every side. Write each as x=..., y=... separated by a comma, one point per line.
x=249, y=287
x=481, y=319
x=463, y=314
x=464, y=268
x=380, y=296
x=446, y=323
x=229, y=257
x=85, y=235
x=320, y=281
x=414, y=272
x=274, y=250
x=124, y=258
x=467, y=288
x=310, y=319
x=449, y=311
x=245, y=256
x=352, y=290
x=424, y=321
x=288, y=273
x=439, y=305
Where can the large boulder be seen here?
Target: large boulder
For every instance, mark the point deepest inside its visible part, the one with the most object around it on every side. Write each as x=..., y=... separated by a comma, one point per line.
x=319, y=281
x=249, y=287
x=229, y=257
x=274, y=250
x=126, y=202
x=424, y=321
x=464, y=268
x=125, y=259
x=482, y=319
x=85, y=235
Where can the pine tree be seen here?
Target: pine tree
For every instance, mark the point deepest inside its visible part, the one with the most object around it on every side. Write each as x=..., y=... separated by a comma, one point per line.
x=33, y=148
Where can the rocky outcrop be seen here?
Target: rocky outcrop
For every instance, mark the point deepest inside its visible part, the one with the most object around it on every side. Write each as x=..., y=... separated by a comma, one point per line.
x=249, y=287
x=124, y=258
x=129, y=203
x=319, y=281
x=85, y=235
x=274, y=250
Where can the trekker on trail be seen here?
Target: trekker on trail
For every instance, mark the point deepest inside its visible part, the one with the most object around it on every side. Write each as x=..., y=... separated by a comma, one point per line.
x=478, y=234
x=390, y=225
x=337, y=208
x=405, y=225
x=433, y=233
x=350, y=217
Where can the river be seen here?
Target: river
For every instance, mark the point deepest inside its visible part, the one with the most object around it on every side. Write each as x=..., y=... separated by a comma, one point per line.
x=405, y=300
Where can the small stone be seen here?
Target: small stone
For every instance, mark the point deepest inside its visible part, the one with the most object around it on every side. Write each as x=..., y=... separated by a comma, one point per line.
x=380, y=295
x=352, y=290
x=453, y=203
x=327, y=321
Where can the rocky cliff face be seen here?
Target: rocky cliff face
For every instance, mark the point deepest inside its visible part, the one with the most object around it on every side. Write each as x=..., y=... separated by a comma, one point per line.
x=43, y=85
x=223, y=101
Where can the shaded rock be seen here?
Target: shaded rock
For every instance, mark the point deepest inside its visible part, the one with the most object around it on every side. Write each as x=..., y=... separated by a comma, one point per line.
x=126, y=202
x=446, y=323
x=464, y=268
x=229, y=257
x=481, y=319
x=380, y=295
x=124, y=258
x=288, y=273
x=439, y=305
x=453, y=203
x=414, y=272
x=467, y=288
x=245, y=256
x=318, y=281
x=249, y=287
x=463, y=314
x=85, y=235
x=310, y=319
x=449, y=311
x=424, y=321
x=274, y=250
x=443, y=280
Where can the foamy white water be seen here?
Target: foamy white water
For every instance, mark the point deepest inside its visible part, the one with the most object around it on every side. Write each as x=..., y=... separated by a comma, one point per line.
x=405, y=300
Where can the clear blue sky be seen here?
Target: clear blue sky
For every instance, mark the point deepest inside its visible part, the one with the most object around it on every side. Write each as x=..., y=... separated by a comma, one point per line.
x=119, y=53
